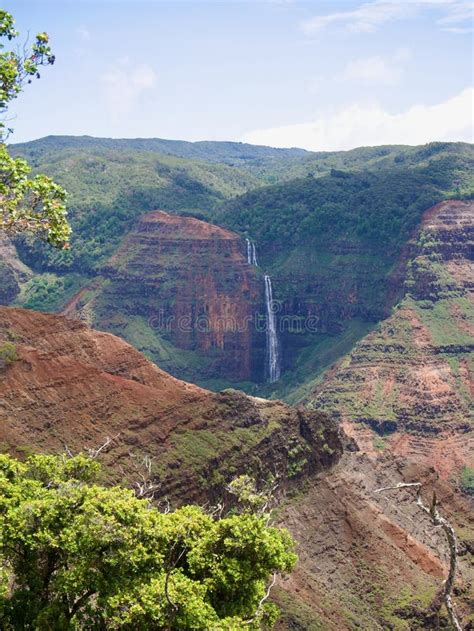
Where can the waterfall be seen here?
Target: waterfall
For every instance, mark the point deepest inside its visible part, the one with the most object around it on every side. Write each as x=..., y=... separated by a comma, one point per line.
x=272, y=352
x=273, y=349
x=254, y=255
x=251, y=253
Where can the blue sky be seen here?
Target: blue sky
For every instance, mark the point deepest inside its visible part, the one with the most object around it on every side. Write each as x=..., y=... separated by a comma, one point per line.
x=323, y=75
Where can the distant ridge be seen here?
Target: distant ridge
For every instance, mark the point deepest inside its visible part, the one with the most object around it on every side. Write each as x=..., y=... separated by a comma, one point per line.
x=212, y=151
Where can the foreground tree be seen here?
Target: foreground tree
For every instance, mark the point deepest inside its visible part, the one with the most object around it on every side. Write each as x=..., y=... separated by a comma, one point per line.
x=35, y=205
x=76, y=555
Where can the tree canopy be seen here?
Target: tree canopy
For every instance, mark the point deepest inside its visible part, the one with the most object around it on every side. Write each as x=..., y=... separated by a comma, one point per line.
x=35, y=205
x=77, y=555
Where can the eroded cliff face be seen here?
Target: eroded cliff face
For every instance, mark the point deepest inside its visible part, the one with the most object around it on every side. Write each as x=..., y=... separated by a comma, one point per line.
x=180, y=289
x=414, y=372
x=74, y=386
x=403, y=397
x=373, y=560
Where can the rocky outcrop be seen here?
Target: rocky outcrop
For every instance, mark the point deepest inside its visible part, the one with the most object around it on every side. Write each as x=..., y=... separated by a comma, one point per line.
x=74, y=386
x=186, y=285
x=414, y=371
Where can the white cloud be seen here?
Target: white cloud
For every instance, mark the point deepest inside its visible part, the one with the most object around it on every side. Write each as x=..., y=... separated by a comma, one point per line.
x=368, y=17
x=365, y=18
x=124, y=84
x=377, y=69
x=365, y=125
x=461, y=13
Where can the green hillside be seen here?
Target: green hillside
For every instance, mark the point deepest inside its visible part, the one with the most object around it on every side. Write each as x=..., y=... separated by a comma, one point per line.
x=377, y=205
x=233, y=153
x=318, y=164
x=331, y=238
x=332, y=245
x=109, y=188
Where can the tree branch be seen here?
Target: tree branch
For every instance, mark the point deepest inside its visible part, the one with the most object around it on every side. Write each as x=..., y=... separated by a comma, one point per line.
x=437, y=520
x=262, y=601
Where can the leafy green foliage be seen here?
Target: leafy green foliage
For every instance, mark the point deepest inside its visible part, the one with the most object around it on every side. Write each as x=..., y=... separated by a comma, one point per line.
x=377, y=208
x=31, y=205
x=49, y=292
x=76, y=555
x=26, y=205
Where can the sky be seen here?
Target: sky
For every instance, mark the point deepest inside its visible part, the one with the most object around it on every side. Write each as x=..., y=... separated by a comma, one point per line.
x=323, y=75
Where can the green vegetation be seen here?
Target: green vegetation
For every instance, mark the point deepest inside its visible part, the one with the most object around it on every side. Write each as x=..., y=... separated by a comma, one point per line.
x=8, y=353
x=467, y=480
x=231, y=153
x=318, y=353
x=26, y=205
x=331, y=241
x=406, y=611
x=76, y=555
x=379, y=443
x=9, y=287
x=297, y=615
x=138, y=331
x=385, y=157
x=109, y=189
x=376, y=207
x=49, y=292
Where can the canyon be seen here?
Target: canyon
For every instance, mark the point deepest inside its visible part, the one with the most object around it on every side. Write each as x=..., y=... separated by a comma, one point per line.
x=69, y=385
x=365, y=559
x=371, y=334
x=403, y=397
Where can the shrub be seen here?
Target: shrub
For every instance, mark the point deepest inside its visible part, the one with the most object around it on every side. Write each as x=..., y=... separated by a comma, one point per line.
x=8, y=353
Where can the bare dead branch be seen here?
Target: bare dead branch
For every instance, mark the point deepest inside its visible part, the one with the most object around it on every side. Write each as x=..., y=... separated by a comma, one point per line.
x=68, y=451
x=146, y=486
x=400, y=485
x=94, y=453
x=265, y=597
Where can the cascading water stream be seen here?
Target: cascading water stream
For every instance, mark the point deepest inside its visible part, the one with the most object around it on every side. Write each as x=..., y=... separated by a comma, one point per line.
x=251, y=253
x=273, y=348
x=254, y=255
x=272, y=351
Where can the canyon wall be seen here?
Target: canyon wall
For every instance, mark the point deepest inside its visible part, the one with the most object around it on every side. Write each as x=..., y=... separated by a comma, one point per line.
x=181, y=290
x=403, y=398
x=365, y=561
x=414, y=371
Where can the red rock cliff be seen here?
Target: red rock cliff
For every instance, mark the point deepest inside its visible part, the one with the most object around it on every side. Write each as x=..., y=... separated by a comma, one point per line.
x=189, y=282
x=70, y=385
